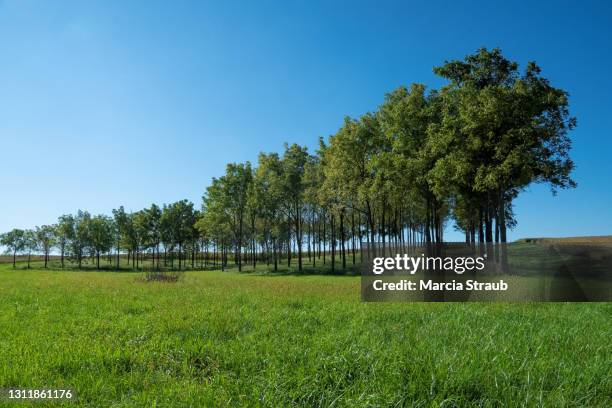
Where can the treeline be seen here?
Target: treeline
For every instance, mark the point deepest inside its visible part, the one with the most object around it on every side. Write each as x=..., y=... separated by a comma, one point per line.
x=395, y=176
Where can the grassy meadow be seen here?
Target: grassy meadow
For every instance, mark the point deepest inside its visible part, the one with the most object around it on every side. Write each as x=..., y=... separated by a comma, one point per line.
x=259, y=339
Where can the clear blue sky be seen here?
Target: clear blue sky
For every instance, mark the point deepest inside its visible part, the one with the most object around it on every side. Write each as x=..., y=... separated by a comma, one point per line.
x=108, y=103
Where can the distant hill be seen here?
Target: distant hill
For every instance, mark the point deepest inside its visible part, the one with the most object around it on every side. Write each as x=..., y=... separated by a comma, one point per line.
x=602, y=239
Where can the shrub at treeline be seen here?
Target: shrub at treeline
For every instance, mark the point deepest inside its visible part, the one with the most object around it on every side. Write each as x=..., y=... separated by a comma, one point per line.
x=396, y=175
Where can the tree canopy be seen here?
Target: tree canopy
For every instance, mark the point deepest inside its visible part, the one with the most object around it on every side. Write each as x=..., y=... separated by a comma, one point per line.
x=397, y=175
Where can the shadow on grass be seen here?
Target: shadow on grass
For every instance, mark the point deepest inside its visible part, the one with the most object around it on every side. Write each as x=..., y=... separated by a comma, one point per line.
x=262, y=269
x=306, y=271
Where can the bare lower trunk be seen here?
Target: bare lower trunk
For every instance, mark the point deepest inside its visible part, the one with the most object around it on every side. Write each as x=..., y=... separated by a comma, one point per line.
x=342, y=239
x=333, y=244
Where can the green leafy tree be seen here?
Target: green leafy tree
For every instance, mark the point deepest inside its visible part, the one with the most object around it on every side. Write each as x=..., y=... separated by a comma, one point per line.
x=350, y=166
x=14, y=241
x=178, y=223
x=405, y=117
x=511, y=127
x=153, y=231
x=267, y=196
x=80, y=239
x=122, y=231
x=294, y=166
x=46, y=237
x=140, y=233
x=396, y=175
x=229, y=195
x=213, y=222
x=64, y=233
x=100, y=235
x=30, y=243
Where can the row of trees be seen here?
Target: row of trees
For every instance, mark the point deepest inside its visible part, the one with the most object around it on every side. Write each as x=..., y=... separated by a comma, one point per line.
x=82, y=236
x=395, y=176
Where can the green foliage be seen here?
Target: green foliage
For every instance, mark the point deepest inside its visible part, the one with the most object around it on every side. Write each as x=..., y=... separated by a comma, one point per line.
x=464, y=151
x=14, y=241
x=46, y=237
x=177, y=223
x=100, y=233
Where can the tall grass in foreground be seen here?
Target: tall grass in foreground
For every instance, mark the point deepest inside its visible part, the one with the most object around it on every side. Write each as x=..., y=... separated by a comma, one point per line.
x=228, y=339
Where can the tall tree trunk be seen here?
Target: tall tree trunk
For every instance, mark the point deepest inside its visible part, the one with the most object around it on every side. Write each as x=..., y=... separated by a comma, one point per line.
x=488, y=226
x=316, y=233
x=253, y=240
x=324, y=235
x=496, y=247
x=382, y=230
x=489, y=232
x=401, y=230
x=298, y=237
x=289, y=247
x=333, y=244
x=309, y=238
x=473, y=235
x=481, y=235
x=371, y=228
x=502, y=221
x=353, y=234
x=360, y=239
x=428, y=222
x=342, y=239
x=239, y=244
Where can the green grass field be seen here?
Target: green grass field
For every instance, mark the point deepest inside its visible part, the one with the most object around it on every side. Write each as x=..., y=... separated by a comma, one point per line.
x=229, y=339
